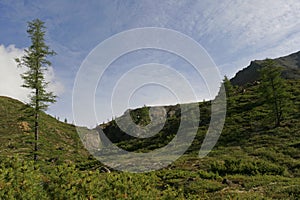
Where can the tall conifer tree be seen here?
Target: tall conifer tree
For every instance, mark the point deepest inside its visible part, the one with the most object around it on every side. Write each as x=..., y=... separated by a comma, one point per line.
x=35, y=60
x=273, y=89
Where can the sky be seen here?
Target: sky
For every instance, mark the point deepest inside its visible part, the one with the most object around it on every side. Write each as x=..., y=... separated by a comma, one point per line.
x=232, y=33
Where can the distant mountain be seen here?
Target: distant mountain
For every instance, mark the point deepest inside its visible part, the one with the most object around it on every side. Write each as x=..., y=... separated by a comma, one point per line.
x=140, y=116
x=290, y=63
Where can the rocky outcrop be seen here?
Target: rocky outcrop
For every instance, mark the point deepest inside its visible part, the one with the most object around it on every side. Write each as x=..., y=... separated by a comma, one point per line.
x=250, y=74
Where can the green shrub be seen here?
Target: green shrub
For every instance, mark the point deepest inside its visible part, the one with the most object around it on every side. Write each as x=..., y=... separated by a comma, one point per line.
x=246, y=167
x=20, y=179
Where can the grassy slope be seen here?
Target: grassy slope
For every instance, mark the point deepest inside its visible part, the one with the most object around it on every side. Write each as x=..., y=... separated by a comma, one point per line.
x=58, y=142
x=258, y=160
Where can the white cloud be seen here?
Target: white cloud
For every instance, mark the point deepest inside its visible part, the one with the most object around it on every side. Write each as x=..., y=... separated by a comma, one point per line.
x=10, y=74
x=11, y=80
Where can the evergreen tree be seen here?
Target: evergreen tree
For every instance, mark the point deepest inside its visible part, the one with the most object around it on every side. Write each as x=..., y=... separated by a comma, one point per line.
x=35, y=60
x=273, y=90
x=229, y=89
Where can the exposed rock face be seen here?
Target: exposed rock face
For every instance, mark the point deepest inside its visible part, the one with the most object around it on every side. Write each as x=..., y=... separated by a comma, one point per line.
x=247, y=75
x=290, y=63
x=157, y=117
x=90, y=139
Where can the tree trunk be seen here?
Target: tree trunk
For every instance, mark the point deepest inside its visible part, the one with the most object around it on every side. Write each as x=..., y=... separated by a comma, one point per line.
x=36, y=125
x=36, y=136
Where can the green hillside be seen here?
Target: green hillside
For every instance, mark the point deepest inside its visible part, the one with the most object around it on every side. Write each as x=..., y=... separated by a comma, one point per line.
x=252, y=159
x=59, y=141
x=247, y=127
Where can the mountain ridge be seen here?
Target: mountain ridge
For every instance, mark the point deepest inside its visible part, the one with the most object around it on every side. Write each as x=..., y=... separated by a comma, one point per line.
x=244, y=77
x=249, y=74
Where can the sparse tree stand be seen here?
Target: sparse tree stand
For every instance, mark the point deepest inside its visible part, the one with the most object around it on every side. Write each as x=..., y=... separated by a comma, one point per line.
x=35, y=60
x=273, y=90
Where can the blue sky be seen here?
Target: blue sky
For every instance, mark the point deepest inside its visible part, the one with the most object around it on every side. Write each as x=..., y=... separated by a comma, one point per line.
x=232, y=32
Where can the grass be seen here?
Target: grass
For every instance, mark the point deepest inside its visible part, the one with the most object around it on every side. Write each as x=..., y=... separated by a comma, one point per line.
x=58, y=141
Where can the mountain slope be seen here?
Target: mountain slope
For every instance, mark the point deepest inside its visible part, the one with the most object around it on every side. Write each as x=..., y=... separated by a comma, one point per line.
x=248, y=75
x=248, y=126
x=58, y=142
x=252, y=159
x=290, y=63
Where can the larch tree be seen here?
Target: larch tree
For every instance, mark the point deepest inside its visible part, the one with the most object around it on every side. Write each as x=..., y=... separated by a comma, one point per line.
x=273, y=90
x=36, y=62
x=229, y=89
